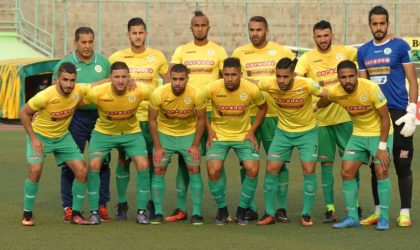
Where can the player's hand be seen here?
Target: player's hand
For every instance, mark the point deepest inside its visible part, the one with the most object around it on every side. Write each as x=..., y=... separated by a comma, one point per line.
x=132, y=85
x=211, y=136
x=37, y=146
x=409, y=121
x=158, y=155
x=250, y=136
x=383, y=156
x=195, y=153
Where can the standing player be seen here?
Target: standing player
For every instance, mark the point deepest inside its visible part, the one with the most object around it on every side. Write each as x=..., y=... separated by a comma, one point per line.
x=258, y=60
x=146, y=65
x=230, y=127
x=204, y=59
x=387, y=63
x=91, y=67
x=177, y=120
x=367, y=107
x=48, y=133
x=296, y=128
x=334, y=125
x=117, y=127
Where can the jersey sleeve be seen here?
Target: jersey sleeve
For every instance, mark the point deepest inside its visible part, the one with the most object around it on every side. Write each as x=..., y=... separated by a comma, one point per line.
x=289, y=53
x=236, y=53
x=262, y=85
x=146, y=91
x=302, y=65
x=257, y=96
x=177, y=56
x=360, y=59
x=351, y=53
x=314, y=88
x=378, y=97
x=155, y=99
x=405, y=51
x=113, y=58
x=200, y=100
x=90, y=96
x=164, y=65
x=38, y=101
x=222, y=58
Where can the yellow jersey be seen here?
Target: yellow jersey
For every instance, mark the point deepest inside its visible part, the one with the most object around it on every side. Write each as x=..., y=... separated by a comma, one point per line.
x=144, y=68
x=177, y=113
x=361, y=106
x=117, y=113
x=230, y=117
x=55, y=110
x=204, y=62
x=322, y=67
x=260, y=63
x=294, y=106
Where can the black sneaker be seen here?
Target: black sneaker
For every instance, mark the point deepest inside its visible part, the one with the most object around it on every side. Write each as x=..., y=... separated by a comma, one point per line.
x=251, y=214
x=197, y=220
x=157, y=220
x=222, y=216
x=330, y=217
x=281, y=216
x=240, y=217
x=150, y=209
x=122, y=209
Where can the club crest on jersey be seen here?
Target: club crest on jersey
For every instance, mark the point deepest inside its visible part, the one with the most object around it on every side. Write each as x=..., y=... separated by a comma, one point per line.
x=243, y=96
x=272, y=52
x=150, y=58
x=131, y=98
x=339, y=56
x=299, y=90
x=187, y=100
x=363, y=98
x=75, y=96
x=211, y=52
x=316, y=85
x=387, y=51
x=98, y=68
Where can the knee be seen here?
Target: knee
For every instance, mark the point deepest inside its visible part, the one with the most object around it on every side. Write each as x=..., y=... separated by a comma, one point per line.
x=159, y=170
x=252, y=172
x=381, y=173
x=403, y=169
x=81, y=174
x=213, y=174
x=34, y=174
x=194, y=170
x=346, y=174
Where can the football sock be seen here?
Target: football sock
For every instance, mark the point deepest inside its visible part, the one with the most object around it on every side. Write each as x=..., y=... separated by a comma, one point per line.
x=182, y=182
x=310, y=185
x=93, y=189
x=283, y=187
x=143, y=188
x=196, y=193
x=158, y=191
x=248, y=190
x=327, y=184
x=270, y=189
x=122, y=178
x=350, y=197
x=78, y=192
x=217, y=190
x=384, y=192
x=30, y=190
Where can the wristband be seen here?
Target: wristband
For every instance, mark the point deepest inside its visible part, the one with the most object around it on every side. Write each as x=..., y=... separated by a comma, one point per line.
x=382, y=145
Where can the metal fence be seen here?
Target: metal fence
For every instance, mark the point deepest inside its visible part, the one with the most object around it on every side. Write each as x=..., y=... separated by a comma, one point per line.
x=48, y=25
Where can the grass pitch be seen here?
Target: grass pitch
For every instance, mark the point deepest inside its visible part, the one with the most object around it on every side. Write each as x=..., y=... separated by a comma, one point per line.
x=51, y=233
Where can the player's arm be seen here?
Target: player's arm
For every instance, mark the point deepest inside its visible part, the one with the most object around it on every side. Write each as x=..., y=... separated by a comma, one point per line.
x=25, y=115
x=363, y=74
x=323, y=100
x=199, y=131
x=382, y=153
x=409, y=119
x=158, y=151
x=262, y=110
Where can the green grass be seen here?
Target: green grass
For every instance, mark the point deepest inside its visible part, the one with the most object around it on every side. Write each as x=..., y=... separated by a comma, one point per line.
x=51, y=233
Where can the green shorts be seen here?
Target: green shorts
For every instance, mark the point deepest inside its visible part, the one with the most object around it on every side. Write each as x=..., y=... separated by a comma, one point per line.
x=177, y=145
x=283, y=143
x=220, y=149
x=265, y=132
x=203, y=141
x=131, y=144
x=144, y=125
x=64, y=149
x=359, y=148
x=329, y=137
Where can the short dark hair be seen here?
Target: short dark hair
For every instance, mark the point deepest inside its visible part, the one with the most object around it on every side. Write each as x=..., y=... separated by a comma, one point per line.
x=67, y=67
x=119, y=65
x=136, y=21
x=287, y=63
x=179, y=68
x=322, y=25
x=232, y=62
x=83, y=30
x=346, y=64
x=259, y=19
x=378, y=10
x=199, y=13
